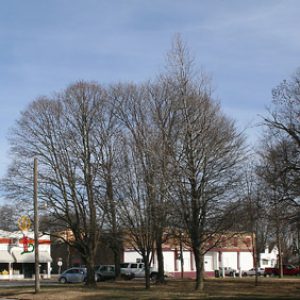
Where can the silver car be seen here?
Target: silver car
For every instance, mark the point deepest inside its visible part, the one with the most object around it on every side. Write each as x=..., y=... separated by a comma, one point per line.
x=252, y=272
x=228, y=271
x=73, y=275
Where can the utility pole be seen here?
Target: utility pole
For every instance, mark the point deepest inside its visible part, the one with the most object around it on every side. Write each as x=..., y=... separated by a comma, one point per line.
x=36, y=228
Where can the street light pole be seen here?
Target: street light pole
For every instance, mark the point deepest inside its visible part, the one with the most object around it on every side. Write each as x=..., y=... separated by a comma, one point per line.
x=36, y=228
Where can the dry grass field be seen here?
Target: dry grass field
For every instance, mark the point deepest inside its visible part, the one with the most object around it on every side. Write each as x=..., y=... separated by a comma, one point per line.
x=173, y=289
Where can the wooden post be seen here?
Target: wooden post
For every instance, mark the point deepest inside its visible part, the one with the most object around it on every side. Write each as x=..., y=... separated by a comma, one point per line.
x=36, y=228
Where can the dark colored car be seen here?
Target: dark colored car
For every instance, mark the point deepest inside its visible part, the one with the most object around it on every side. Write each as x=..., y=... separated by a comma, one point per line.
x=73, y=275
x=287, y=270
x=105, y=272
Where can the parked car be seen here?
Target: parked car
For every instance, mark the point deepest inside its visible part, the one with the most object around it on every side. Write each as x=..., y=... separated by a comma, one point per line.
x=73, y=275
x=252, y=272
x=129, y=269
x=105, y=272
x=141, y=273
x=228, y=271
x=136, y=270
x=287, y=270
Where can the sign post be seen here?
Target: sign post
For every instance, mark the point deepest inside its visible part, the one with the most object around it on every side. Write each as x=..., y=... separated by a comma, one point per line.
x=59, y=263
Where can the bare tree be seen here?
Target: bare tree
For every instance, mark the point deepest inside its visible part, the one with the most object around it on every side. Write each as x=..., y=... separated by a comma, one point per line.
x=254, y=208
x=63, y=133
x=205, y=155
x=280, y=165
x=110, y=158
x=140, y=194
x=164, y=120
x=277, y=185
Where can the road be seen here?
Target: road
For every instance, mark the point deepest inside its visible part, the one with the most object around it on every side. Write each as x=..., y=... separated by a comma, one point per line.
x=20, y=283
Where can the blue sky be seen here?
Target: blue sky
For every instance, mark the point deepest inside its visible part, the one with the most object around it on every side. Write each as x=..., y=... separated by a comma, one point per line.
x=247, y=47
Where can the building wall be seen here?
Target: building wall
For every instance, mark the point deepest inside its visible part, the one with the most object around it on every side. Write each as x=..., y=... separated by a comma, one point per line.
x=246, y=260
x=229, y=259
x=209, y=261
x=70, y=256
x=269, y=259
x=132, y=256
x=188, y=261
x=169, y=261
x=225, y=250
x=213, y=260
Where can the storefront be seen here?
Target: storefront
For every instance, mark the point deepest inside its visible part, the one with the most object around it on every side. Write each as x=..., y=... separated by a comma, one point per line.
x=17, y=256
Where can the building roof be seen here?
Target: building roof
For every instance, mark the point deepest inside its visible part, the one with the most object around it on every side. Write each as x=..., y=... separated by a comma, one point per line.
x=44, y=256
x=19, y=235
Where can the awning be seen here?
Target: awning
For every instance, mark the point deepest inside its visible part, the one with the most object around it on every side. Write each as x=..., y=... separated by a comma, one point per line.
x=44, y=257
x=5, y=257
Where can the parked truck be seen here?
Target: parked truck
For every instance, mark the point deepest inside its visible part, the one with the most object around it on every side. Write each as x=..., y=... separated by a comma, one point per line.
x=136, y=270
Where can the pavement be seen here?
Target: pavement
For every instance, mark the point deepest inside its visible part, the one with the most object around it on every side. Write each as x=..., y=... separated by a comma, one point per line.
x=28, y=282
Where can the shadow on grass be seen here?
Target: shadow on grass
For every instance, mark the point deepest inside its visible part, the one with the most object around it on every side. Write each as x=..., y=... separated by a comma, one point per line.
x=215, y=289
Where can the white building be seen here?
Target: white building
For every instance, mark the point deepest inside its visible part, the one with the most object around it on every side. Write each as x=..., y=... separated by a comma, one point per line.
x=268, y=259
x=234, y=251
x=17, y=256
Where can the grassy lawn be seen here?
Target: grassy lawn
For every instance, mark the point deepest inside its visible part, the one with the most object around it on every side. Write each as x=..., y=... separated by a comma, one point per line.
x=268, y=288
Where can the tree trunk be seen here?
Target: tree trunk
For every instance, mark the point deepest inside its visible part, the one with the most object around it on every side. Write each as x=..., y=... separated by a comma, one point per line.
x=181, y=256
x=115, y=235
x=254, y=253
x=90, y=264
x=147, y=272
x=117, y=260
x=199, y=270
x=279, y=249
x=160, y=260
x=280, y=259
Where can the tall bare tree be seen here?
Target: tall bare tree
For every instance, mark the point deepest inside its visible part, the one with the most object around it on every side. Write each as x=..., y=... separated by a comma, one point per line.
x=63, y=132
x=206, y=154
x=138, y=209
x=280, y=154
x=110, y=158
x=277, y=186
x=253, y=207
x=164, y=119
